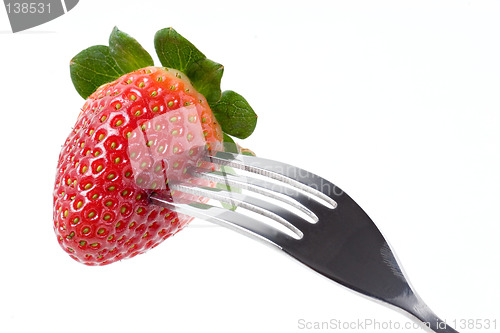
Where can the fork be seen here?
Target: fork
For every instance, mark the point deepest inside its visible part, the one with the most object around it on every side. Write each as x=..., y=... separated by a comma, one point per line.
x=327, y=232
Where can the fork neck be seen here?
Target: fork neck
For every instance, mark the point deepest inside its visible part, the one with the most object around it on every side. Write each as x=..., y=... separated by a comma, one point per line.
x=413, y=304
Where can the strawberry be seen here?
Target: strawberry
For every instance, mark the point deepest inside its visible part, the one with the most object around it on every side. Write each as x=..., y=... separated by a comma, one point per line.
x=132, y=136
x=105, y=173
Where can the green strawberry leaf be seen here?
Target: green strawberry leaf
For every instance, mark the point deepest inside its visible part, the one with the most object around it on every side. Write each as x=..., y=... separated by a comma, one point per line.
x=248, y=153
x=92, y=68
x=206, y=75
x=101, y=64
x=229, y=144
x=235, y=115
x=175, y=51
x=127, y=52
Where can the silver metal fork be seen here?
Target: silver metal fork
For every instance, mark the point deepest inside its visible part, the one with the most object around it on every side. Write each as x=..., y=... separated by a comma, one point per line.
x=328, y=232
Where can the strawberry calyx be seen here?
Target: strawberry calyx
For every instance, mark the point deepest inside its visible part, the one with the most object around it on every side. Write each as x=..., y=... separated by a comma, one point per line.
x=101, y=64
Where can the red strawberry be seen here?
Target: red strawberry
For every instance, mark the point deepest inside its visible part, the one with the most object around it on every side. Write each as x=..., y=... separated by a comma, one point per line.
x=132, y=137
x=129, y=135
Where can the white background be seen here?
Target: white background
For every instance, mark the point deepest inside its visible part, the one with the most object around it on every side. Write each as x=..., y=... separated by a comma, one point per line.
x=397, y=102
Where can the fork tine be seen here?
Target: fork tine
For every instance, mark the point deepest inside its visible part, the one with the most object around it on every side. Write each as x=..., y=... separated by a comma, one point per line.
x=288, y=195
x=300, y=178
x=268, y=209
x=241, y=223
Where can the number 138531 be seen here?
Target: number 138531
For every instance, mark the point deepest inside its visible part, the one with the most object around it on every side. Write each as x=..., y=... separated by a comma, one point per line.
x=28, y=8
